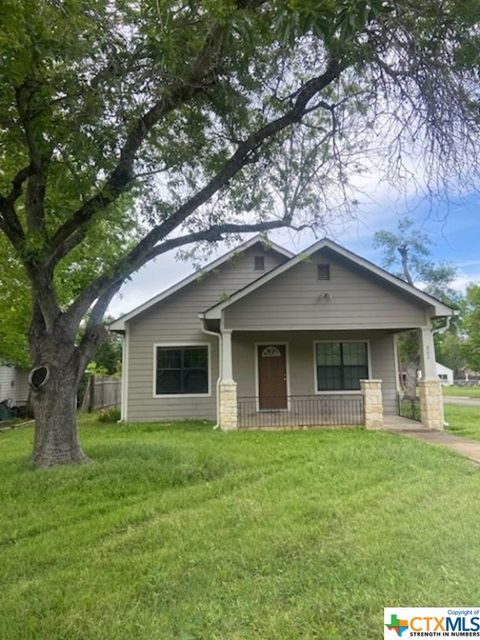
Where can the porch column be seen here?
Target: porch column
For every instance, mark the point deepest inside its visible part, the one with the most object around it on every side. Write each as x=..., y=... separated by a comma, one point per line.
x=430, y=387
x=227, y=390
x=372, y=403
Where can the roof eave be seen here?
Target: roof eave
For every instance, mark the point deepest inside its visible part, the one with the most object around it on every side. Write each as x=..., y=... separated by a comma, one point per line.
x=443, y=311
x=118, y=326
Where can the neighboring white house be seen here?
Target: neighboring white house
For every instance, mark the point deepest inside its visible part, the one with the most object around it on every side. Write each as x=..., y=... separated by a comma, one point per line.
x=445, y=374
x=13, y=386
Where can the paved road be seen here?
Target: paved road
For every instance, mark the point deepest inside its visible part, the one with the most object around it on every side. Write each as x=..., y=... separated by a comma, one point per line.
x=466, y=402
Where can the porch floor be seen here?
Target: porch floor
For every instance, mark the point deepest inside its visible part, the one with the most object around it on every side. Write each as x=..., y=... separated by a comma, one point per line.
x=397, y=424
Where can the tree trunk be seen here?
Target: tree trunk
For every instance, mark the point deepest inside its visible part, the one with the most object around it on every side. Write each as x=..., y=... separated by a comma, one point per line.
x=54, y=347
x=56, y=439
x=411, y=375
x=55, y=401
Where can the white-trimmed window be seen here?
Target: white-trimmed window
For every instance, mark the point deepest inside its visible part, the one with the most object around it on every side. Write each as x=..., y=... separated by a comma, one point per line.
x=182, y=370
x=340, y=365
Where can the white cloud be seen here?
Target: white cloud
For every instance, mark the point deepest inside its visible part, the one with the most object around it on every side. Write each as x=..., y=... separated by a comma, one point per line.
x=462, y=281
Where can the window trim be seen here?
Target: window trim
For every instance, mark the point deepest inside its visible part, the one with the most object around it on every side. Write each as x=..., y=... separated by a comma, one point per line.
x=181, y=345
x=340, y=392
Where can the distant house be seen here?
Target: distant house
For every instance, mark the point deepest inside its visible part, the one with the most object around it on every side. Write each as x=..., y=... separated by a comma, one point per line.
x=445, y=375
x=469, y=375
x=264, y=338
x=14, y=386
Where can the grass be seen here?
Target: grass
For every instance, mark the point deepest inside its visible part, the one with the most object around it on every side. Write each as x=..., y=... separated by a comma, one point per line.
x=463, y=421
x=179, y=532
x=465, y=392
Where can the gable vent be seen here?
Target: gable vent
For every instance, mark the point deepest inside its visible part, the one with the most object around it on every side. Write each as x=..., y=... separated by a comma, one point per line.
x=323, y=271
x=259, y=263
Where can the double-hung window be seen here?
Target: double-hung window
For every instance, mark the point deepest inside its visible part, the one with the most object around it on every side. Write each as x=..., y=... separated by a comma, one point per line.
x=340, y=365
x=181, y=370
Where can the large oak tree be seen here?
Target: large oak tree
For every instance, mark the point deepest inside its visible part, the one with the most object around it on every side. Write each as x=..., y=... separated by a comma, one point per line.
x=173, y=122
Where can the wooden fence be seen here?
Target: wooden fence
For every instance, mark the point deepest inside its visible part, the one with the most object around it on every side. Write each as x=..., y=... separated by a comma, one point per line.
x=102, y=392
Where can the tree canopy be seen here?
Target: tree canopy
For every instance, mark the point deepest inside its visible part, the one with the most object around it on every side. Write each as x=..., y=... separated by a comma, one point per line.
x=186, y=111
x=128, y=129
x=471, y=325
x=99, y=252
x=407, y=253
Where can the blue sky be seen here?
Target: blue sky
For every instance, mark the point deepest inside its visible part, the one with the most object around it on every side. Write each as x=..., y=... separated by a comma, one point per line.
x=454, y=228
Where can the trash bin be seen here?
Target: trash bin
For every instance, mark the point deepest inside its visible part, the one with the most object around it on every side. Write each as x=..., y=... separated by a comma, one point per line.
x=5, y=412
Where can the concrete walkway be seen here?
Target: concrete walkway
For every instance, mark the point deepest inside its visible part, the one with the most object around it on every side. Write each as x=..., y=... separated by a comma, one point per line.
x=463, y=446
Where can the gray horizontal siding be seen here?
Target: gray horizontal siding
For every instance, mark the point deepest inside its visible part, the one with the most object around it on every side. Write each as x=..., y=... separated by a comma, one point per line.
x=384, y=369
x=293, y=300
x=175, y=320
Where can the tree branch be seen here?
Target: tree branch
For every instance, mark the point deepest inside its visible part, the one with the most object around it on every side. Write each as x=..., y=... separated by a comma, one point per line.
x=200, y=76
x=110, y=286
x=36, y=185
x=241, y=157
x=17, y=185
x=147, y=248
x=23, y=95
x=9, y=221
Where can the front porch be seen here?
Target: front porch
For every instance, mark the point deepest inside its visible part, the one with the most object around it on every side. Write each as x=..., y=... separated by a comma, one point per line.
x=302, y=412
x=305, y=379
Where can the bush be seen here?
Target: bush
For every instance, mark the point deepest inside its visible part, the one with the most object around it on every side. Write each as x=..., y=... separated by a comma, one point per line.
x=111, y=414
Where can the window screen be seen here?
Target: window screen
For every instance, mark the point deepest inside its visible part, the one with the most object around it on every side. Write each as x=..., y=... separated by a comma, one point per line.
x=182, y=370
x=341, y=365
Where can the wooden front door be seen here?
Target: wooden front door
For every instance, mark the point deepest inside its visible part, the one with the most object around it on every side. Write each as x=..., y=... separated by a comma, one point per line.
x=272, y=376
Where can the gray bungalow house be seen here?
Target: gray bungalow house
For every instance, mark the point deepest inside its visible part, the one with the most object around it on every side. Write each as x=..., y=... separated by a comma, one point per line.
x=264, y=338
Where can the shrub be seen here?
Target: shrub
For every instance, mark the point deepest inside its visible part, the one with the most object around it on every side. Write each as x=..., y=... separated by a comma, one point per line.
x=112, y=414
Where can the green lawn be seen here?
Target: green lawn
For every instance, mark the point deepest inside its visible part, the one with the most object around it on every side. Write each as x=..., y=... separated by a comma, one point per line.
x=466, y=392
x=463, y=421
x=184, y=533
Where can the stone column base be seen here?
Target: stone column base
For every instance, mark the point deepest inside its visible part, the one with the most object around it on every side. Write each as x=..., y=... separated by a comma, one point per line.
x=431, y=404
x=228, y=410
x=372, y=403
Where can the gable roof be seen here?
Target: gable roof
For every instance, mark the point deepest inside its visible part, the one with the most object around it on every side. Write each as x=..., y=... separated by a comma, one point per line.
x=440, y=308
x=119, y=323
